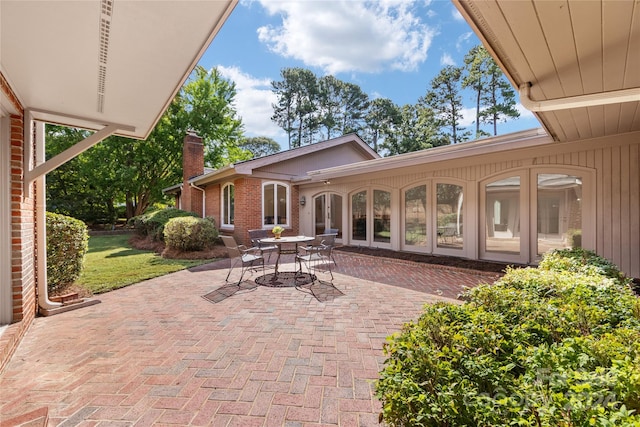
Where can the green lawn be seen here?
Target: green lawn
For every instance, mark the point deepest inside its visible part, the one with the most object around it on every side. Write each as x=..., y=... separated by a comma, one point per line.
x=112, y=263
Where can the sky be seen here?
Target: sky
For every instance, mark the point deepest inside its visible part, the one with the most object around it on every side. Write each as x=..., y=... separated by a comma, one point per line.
x=390, y=48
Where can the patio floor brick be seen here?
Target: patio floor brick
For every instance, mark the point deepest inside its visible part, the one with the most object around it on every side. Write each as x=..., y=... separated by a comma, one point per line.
x=158, y=353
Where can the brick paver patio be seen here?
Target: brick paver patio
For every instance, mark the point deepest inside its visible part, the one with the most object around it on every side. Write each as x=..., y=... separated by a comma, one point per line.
x=158, y=353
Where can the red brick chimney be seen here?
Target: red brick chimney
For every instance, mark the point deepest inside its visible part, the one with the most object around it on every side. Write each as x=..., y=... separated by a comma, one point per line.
x=192, y=166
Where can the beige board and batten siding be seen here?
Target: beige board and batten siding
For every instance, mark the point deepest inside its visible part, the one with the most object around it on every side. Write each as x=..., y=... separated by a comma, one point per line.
x=299, y=166
x=612, y=162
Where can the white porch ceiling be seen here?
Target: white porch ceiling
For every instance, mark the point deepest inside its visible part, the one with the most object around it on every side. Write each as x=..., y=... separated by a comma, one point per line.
x=89, y=63
x=566, y=48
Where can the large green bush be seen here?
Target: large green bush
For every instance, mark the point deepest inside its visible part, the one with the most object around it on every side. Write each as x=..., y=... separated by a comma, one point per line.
x=190, y=234
x=67, y=244
x=152, y=223
x=554, y=346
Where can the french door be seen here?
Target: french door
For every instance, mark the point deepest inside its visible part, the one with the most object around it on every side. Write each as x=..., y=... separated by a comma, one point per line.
x=327, y=213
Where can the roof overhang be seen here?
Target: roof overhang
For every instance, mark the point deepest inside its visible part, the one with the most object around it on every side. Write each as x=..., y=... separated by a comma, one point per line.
x=495, y=145
x=95, y=63
x=564, y=50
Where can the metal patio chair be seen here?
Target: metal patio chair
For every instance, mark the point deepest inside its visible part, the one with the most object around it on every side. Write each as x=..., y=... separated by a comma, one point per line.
x=317, y=253
x=241, y=255
x=333, y=231
x=256, y=236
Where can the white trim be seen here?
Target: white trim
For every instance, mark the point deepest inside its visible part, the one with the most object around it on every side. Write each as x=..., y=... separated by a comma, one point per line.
x=275, y=204
x=522, y=257
x=223, y=219
x=466, y=218
x=427, y=248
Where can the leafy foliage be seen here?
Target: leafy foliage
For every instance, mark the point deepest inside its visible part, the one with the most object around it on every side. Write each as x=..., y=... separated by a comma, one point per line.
x=67, y=245
x=152, y=223
x=122, y=172
x=190, y=234
x=558, y=345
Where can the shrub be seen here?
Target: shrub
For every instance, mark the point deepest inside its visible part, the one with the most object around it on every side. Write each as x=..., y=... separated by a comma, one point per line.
x=557, y=345
x=67, y=244
x=190, y=234
x=152, y=223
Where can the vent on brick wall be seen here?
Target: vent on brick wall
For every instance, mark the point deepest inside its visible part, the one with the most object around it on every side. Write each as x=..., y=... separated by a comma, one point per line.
x=106, y=11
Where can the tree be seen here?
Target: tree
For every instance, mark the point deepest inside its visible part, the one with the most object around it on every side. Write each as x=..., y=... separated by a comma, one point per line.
x=329, y=103
x=260, y=146
x=296, y=110
x=500, y=99
x=495, y=98
x=354, y=108
x=382, y=117
x=476, y=66
x=123, y=171
x=206, y=107
x=445, y=100
x=417, y=130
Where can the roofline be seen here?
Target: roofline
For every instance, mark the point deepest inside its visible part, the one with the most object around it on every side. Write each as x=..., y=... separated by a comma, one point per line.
x=223, y=18
x=96, y=123
x=247, y=167
x=516, y=140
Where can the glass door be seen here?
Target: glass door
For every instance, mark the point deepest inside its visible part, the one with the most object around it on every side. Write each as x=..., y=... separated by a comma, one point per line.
x=327, y=213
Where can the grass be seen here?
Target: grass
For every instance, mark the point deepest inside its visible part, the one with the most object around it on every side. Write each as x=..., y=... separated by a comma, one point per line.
x=111, y=263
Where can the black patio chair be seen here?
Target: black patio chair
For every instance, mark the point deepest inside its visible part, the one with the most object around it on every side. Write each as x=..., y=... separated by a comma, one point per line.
x=318, y=252
x=241, y=255
x=256, y=236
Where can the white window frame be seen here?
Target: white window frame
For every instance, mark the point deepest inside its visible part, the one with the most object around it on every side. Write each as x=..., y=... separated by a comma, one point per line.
x=223, y=220
x=525, y=211
x=466, y=218
x=275, y=204
x=403, y=217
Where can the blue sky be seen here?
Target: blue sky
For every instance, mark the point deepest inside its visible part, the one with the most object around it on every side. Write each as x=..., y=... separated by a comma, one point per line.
x=390, y=48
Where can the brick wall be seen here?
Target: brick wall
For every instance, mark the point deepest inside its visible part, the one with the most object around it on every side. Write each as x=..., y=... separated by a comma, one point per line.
x=23, y=279
x=192, y=165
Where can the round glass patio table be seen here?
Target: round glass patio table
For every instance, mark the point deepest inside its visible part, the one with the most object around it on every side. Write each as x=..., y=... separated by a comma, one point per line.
x=292, y=242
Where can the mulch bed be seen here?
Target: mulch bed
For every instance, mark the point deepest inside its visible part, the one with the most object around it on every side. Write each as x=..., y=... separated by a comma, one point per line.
x=490, y=266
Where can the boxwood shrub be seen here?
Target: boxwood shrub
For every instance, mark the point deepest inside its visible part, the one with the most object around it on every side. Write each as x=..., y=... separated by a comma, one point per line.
x=67, y=244
x=190, y=234
x=152, y=223
x=557, y=345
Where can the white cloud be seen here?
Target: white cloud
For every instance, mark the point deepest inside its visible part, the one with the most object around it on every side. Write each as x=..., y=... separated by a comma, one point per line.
x=468, y=117
x=253, y=103
x=447, y=59
x=456, y=15
x=463, y=40
x=524, y=113
x=348, y=36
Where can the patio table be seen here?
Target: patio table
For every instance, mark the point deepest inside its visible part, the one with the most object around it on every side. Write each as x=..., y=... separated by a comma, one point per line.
x=290, y=240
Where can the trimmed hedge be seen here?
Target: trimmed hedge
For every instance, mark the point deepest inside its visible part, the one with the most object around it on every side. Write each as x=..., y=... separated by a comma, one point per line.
x=152, y=223
x=67, y=244
x=557, y=345
x=190, y=234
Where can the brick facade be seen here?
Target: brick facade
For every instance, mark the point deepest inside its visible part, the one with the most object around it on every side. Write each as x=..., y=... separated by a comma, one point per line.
x=23, y=274
x=248, y=196
x=192, y=165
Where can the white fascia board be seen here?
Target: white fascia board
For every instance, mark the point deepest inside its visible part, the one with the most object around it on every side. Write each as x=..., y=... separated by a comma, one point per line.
x=524, y=139
x=217, y=175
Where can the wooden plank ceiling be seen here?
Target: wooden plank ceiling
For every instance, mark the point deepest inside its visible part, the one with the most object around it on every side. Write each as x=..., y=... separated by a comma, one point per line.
x=566, y=48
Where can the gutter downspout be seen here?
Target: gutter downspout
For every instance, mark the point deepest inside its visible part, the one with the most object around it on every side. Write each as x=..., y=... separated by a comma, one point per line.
x=590, y=100
x=41, y=225
x=192, y=185
x=37, y=174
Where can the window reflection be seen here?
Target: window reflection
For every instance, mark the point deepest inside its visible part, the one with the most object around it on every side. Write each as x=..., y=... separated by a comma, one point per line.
x=415, y=216
x=559, y=212
x=449, y=216
x=502, y=212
